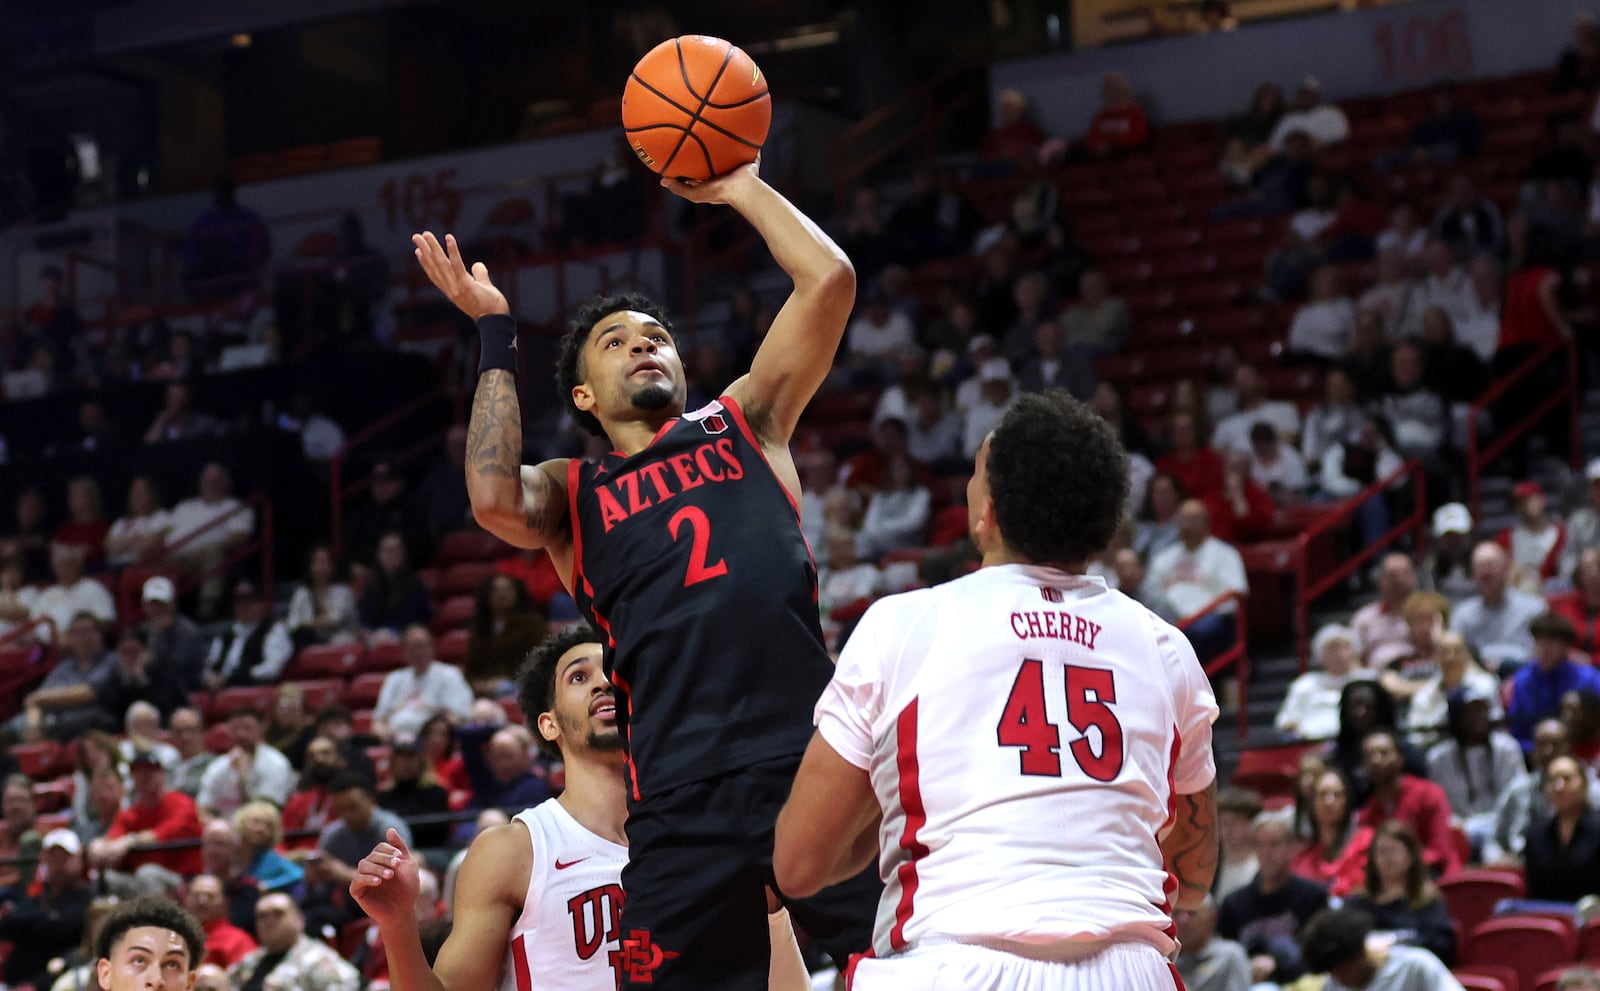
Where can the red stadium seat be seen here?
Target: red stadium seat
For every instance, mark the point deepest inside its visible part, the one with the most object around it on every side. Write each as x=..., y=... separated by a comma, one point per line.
x=1272, y=771
x=1531, y=945
x=36, y=760
x=325, y=662
x=1486, y=978
x=385, y=656
x=455, y=613
x=321, y=692
x=464, y=578
x=1550, y=979
x=363, y=690
x=452, y=647
x=470, y=545
x=1589, y=941
x=1471, y=894
x=361, y=722
x=258, y=697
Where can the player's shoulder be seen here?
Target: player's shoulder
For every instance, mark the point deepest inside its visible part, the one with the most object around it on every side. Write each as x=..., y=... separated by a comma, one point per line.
x=502, y=858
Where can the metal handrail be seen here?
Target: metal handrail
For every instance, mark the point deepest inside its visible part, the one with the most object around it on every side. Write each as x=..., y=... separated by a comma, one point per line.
x=1308, y=590
x=1480, y=455
x=1237, y=656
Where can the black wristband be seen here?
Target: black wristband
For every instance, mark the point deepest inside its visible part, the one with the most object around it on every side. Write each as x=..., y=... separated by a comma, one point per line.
x=497, y=342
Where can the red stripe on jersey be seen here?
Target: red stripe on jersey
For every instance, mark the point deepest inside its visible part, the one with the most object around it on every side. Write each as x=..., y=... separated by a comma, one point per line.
x=633, y=772
x=664, y=428
x=519, y=964
x=1177, y=978
x=573, y=467
x=744, y=428
x=850, y=968
x=916, y=818
x=1170, y=885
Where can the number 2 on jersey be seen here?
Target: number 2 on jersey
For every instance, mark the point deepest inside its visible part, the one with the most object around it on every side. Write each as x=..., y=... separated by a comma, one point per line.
x=700, y=536
x=1023, y=722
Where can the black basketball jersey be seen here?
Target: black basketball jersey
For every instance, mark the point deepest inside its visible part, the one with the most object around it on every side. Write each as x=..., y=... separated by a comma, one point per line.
x=690, y=558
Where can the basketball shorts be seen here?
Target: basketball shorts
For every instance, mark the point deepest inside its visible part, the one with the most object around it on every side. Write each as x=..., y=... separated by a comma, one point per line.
x=954, y=967
x=699, y=858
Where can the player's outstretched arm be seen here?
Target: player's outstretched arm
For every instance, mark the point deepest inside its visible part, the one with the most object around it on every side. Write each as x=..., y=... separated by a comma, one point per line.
x=486, y=906
x=828, y=829
x=1190, y=846
x=798, y=351
x=524, y=505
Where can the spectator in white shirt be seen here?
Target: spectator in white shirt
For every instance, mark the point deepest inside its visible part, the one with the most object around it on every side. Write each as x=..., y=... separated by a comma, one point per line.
x=998, y=392
x=1583, y=526
x=323, y=610
x=320, y=437
x=1275, y=466
x=206, y=527
x=71, y=594
x=1478, y=328
x=933, y=434
x=846, y=580
x=1233, y=432
x=1535, y=540
x=1428, y=710
x=1418, y=416
x=1323, y=327
x=1391, y=294
x=1403, y=235
x=1495, y=621
x=254, y=649
x=1336, y=419
x=411, y=695
x=142, y=531
x=1380, y=626
x=897, y=514
x=1194, y=572
x=1311, y=709
x=1324, y=123
x=879, y=333
x=1444, y=285
x=250, y=769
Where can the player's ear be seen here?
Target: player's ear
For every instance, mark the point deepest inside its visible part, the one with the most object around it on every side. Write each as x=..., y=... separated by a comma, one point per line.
x=102, y=970
x=583, y=397
x=549, y=729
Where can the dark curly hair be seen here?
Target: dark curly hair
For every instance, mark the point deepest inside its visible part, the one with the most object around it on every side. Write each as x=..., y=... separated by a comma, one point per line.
x=569, y=351
x=536, y=679
x=1059, y=479
x=155, y=913
x=1334, y=937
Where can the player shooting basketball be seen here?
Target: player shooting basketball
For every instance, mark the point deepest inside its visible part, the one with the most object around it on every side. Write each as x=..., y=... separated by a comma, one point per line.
x=683, y=546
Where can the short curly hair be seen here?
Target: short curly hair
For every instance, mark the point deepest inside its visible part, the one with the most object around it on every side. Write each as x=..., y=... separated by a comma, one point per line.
x=1059, y=479
x=536, y=678
x=1333, y=938
x=569, y=351
x=156, y=913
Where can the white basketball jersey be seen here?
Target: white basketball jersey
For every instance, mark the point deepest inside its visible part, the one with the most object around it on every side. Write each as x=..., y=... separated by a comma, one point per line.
x=1026, y=732
x=568, y=934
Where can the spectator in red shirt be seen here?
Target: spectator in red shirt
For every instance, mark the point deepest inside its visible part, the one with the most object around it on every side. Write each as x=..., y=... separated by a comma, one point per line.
x=536, y=572
x=1581, y=606
x=1196, y=466
x=1336, y=854
x=86, y=524
x=1417, y=802
x=153, y=815
x=311, y=807
x=1120, y=123
x=1243, y=510
x=226, y=943
x=1015, y=137
x=438, y=741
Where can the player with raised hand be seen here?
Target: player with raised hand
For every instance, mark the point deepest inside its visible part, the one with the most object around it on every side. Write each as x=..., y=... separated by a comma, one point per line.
x=538, y=900
x=1036, y=745
x=683, y=547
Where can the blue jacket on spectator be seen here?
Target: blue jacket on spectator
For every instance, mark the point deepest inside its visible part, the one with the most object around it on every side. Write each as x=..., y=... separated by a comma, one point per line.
x=1536, y=695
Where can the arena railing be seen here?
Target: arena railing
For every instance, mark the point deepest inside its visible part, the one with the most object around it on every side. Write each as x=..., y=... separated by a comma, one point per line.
x=1308, y=588
x=865, y=145
x=1481, y=454
x=261, y=543
x=1236, y=656
x=20, y=674
x=340, y=491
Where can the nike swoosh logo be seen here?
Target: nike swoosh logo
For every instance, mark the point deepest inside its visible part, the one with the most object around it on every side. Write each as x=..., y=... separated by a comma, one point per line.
x=571, y=863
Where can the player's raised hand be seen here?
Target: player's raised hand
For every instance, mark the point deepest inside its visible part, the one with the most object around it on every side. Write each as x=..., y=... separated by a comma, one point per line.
x=719, y=189
x=386, y=882
x=472, y=292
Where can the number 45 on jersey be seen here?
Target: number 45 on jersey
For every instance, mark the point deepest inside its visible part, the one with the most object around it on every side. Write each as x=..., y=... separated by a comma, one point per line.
x=1090, y=694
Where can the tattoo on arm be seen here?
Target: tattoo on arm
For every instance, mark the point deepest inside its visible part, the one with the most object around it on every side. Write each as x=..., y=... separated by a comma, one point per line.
x=544, y=504
x=494, y=435
x=1191, y=846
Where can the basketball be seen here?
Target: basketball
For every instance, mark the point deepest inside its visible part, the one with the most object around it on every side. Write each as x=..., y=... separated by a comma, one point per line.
x=696, y=107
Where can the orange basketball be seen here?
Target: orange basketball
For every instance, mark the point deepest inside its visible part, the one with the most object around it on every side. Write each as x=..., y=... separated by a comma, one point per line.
x=696, y=107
